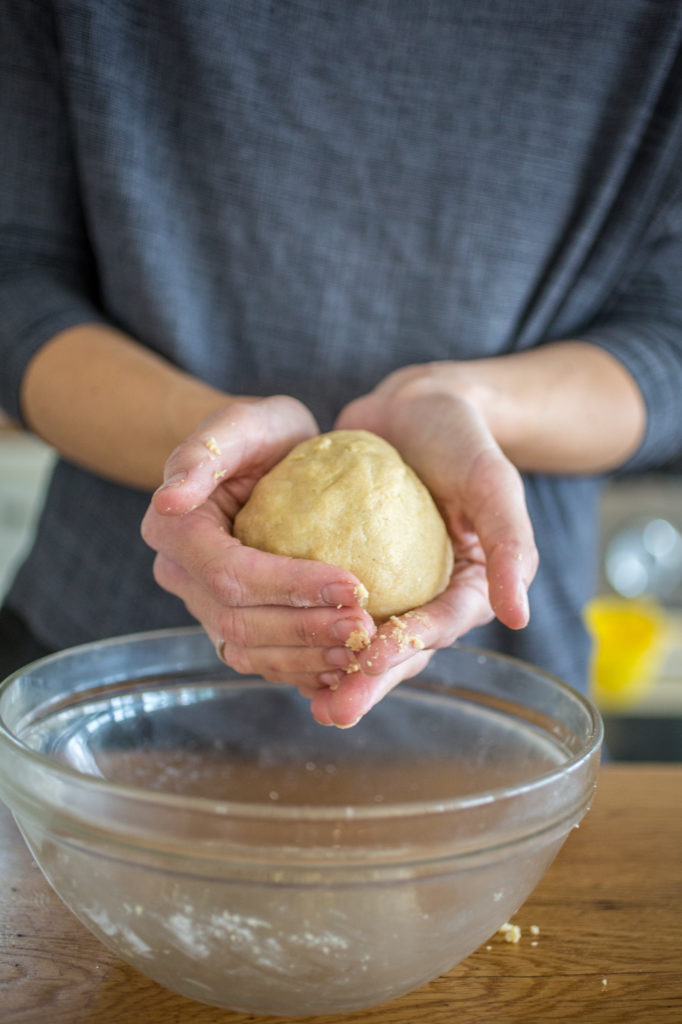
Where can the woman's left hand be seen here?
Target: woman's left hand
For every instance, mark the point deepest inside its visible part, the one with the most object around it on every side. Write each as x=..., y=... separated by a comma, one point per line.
x=441, y=434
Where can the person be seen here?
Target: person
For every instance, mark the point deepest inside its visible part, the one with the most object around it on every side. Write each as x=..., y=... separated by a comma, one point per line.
x=226, y=227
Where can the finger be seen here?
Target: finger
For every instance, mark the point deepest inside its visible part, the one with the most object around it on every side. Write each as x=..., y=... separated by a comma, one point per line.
x=233, y=632
x=280, y=664
x=247, y=436
x=236, y=575
x=267, y=625
x=355, y=696
x=283, y=667
x=364, y=413
x=307, y=683
x=497, y=508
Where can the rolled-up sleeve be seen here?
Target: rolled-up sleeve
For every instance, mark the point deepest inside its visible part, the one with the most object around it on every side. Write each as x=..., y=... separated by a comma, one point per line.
x=47, y=274
x=643, y=329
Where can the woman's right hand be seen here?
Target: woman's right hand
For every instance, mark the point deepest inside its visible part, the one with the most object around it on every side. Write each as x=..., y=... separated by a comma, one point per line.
x=284, y=619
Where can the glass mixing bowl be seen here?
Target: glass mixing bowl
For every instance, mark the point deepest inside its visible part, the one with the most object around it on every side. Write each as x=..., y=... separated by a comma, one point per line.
x=207, y=830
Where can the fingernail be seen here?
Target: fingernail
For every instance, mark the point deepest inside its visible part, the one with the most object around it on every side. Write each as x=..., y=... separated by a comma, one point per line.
x=173, y=481
x=332, y=679
x=339, y=594
x=351, y=632
x=339, y=657
x=349, y=725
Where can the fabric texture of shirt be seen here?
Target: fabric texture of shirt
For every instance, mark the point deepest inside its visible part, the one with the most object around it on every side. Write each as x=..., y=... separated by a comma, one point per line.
x=301, y=196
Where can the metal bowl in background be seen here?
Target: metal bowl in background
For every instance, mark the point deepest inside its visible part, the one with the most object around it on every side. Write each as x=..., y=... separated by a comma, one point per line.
x=641, y=527
x=204, y=827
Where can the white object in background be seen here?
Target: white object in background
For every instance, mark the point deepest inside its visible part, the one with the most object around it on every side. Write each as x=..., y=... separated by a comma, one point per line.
x=645, y=558
x=25, y=466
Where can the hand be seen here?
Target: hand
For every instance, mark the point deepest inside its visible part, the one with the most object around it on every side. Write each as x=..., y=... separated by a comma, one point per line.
x=480, y=494
x=281, y=618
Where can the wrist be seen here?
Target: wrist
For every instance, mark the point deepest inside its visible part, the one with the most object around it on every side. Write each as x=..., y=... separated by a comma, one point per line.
x=566, y=407
x=479, y=384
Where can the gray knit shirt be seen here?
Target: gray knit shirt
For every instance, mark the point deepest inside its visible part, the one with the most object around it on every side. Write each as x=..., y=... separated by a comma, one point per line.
x=302, y=195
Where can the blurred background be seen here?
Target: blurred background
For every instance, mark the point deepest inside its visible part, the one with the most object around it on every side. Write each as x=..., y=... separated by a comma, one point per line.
x=636, y=618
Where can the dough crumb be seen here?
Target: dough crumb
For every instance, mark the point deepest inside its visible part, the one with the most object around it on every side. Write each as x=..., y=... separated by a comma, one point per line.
x=353, y=667
x=401, y=636
x=213, y=448
x=358, y=640
x=534, y=930
x=219, y=474
x=510, y=932
x=361, y=594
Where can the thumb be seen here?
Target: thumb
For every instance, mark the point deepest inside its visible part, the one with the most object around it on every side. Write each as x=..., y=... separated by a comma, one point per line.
x=246, y=437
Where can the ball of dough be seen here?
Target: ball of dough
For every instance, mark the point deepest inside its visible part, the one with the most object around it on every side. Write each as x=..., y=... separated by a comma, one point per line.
x=347, y=498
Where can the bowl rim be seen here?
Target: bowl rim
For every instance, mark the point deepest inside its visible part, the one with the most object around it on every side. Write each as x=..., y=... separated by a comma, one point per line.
x=297, y=812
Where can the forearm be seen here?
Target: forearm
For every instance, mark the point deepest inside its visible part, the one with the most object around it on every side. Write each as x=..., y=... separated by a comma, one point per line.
x=566, y=407
x=107, y=403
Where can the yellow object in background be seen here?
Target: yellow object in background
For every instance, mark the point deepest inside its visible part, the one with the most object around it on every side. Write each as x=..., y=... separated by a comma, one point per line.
x=629, y=640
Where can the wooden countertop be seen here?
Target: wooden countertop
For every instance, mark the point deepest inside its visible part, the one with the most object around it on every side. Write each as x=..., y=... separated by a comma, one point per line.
x=609, y=949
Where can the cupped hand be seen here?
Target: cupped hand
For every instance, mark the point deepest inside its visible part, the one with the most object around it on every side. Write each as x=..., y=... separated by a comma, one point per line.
x=441, y=434
x=285, y=619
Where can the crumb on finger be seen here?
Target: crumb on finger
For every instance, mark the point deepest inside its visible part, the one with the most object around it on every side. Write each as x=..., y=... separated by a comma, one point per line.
x=358, y=639
x=213, y=448
x=403, y=638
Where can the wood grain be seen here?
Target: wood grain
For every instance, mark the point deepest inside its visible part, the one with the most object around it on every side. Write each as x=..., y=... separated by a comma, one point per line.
x=610, y=907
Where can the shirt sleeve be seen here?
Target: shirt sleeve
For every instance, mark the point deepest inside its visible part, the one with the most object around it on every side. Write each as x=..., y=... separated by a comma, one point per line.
x=47, y=272
x=643, y=329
